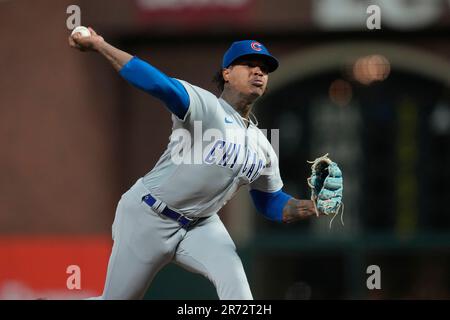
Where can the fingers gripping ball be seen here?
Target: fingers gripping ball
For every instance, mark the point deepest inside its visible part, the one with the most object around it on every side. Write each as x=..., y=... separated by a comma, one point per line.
x=82, y=30
x=326, y=184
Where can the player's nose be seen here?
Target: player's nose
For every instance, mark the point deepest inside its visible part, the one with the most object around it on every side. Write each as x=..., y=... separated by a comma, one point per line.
x=257, y=69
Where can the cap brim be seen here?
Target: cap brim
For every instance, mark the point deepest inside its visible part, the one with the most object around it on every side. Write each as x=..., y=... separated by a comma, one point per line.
x=272, y=62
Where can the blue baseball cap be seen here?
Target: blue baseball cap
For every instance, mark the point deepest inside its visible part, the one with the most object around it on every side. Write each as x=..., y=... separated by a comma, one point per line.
x=247, y=48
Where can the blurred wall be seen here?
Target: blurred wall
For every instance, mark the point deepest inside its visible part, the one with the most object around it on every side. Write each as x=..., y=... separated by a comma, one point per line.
x=59, y=127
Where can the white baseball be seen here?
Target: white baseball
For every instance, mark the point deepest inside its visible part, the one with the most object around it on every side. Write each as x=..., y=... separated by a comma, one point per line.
x=83, y=30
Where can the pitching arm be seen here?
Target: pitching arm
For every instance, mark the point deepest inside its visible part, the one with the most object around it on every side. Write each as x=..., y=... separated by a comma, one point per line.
x=144, y=76
x=137, y=72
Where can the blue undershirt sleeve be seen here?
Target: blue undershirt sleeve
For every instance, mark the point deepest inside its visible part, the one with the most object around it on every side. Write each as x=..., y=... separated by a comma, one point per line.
x=270, y=204
x=144, y=76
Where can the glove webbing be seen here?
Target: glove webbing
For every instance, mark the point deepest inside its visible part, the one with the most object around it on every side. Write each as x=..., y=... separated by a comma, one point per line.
x=341, y=206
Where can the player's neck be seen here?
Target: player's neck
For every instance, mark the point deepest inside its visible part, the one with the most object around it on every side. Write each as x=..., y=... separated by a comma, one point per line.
x=241, y=104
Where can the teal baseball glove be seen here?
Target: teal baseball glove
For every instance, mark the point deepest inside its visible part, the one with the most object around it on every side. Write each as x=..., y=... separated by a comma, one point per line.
x=326, y=184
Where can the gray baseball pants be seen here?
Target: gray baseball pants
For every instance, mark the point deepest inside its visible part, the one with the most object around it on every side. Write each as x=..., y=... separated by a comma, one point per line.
x=145, y=241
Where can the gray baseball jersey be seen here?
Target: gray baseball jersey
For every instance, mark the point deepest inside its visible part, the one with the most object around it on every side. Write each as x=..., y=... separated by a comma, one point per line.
x=212, y=152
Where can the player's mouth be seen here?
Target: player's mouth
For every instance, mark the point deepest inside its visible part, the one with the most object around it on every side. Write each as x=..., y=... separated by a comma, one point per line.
x=257, y=83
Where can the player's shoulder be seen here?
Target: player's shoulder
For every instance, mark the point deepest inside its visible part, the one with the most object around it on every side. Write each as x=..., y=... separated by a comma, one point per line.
x=193, y=89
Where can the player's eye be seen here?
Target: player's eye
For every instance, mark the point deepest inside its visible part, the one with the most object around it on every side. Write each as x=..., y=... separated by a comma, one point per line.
x=246, y=63
x=264, y=69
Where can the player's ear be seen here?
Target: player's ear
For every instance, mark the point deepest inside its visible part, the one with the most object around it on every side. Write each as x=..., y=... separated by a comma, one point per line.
x=226, y=74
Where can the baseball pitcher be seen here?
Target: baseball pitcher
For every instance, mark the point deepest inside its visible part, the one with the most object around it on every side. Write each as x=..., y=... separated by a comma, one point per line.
x=170, y=214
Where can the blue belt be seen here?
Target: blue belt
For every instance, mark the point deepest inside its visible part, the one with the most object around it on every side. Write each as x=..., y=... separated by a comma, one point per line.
x=184, y=221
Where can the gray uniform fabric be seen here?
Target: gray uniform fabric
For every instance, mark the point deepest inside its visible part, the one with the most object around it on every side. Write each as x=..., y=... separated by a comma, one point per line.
x=145, y=241
x=201, y=189
x=231, y=155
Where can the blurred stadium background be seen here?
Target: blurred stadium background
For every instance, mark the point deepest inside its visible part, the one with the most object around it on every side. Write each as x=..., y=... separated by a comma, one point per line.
x=75, y=136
